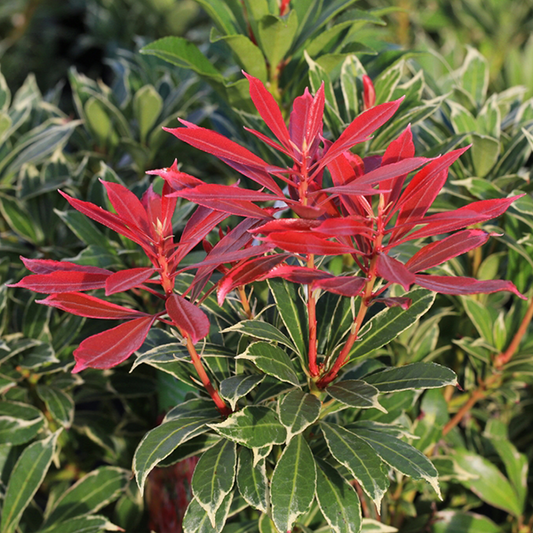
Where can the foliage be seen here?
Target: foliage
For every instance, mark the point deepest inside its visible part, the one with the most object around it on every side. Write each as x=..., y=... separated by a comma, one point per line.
x=293, y=377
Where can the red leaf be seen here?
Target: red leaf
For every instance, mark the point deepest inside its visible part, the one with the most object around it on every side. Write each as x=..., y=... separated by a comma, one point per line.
x=303, y=242
x=313, y=123
x=350, y=225
x=269, y=110
x=401, y=148
x=284, y=224
x=423, y=189
x=447, y=221
x=438, y=252
x=88, y=306
x=187, y=317
x=248, y=272
x=369, y=93
x=344, y=285
x=128, y=207
x=360, y=130
x=46, y=266
x=463, y=285
x=110, y=348
x=127, y=279
x=63, y=281
x=215, y=259
x=106, y=218
x=297, y=274
x=176, y=179
x=241, y=208
x=269, y=141
x=394, y=271
x=218, y=145
x=211, y=191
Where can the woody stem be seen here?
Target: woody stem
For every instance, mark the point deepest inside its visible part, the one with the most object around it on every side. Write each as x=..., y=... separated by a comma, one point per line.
x=204, y=378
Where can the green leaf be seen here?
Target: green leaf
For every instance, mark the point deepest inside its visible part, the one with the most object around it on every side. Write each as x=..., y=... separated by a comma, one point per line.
x=337, y=500
x=485, y=153
x=355, y=393
x=293, y=484
x=276, y=36
x=460, y=522
x=59, y=404
x=178, y=51
x=298, y=410
x=463, y=121
x=387, y=81
x=414, y=376
x=292, y=311
x=261, y=330
x=351, y=71
x=20, y=220
x=196, y=519
x=82, y=524
x=249, y=56
x=147, y=106
x=214, y=476
x=373, y=526
x=433, y=417
x=491, y=485
x=389, y=323
x=481, y=317
x=253, y=427
x=252, y=481
x=82, y=227
x=266, y=525
x=220, y=14
x=475, y=75
x=19, y=422
x=272, y=361
x=236, y=387
x=359, y=458
x=92, y=492
x=401, y=456
x=162, y=441
x=25, y=479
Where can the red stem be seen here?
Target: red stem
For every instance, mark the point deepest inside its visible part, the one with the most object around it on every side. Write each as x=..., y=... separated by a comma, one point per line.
x=311, y=312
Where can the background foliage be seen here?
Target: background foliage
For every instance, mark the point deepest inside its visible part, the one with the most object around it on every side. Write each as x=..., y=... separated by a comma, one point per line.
x=78, y=101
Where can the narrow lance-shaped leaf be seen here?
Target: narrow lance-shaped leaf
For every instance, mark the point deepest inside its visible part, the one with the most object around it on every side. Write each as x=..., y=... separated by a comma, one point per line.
x=293, y=484
x=46, y=266
x=394, y=271
x=88, y=306
x=413, y=376
x=25, y=479
x=359, y=458
x=304, y=243
x=127, y=279
x=63, y=281
x=252, y=481
x=338, y=501
x=189, y=318
x=108, y=349
x=214, y=476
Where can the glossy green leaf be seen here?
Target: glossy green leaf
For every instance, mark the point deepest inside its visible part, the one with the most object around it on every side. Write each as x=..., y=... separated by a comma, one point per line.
x=271, y=360
x=359, y=458
x=463, y=121
x=221, y=15
x=196, y=519
x=59, y=404
x=252, y=481
x=475, y=75
x=298, y=410
x=82, y=524
x=236, y=387
x=389, y=323
x=413, y=376
x=92, y=492
x=261, y=330
x=19, y=219
x=401, y=456
x=433, y=416
x=266, y=525
x=373, y=526
x=293, y=483
x=460, y=522
x=147, y=106
x=491, y=485
x=292, y=311
x=82, y=227
x=338, y=500
x=248, y=55
x=162, y=441
x=387, y=81
x=253, y=427
x=355, y=393
x=25, y=479
x=19, y=422
x=485, y=153
x=100, y=123
x=276, y=36
x=214, y=476
x=352, y=69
